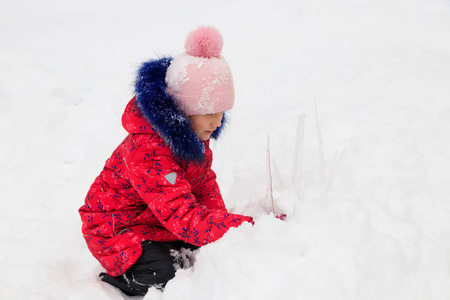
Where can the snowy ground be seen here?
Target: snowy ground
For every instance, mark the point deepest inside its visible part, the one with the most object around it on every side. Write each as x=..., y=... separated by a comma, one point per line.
x=374, y=224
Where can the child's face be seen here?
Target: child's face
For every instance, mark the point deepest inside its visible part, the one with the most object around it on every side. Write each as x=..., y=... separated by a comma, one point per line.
x=204, y=125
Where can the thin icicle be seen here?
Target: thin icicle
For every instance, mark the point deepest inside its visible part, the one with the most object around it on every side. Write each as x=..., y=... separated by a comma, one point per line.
x=277, y=176
x=320, y=144
x=269, y=178
x=297, y=167
x=332, y=173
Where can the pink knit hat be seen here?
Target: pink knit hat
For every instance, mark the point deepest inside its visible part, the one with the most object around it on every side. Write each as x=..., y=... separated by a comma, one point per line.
x=200, y=79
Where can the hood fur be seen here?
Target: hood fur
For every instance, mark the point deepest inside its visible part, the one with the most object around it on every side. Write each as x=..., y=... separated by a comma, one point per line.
x=160, y=110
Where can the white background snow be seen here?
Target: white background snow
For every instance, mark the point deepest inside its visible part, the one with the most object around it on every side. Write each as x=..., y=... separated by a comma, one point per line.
x=378, y=72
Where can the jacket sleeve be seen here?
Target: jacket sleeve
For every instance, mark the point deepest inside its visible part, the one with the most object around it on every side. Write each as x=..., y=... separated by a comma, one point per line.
x=208, y=193
x=160, y=181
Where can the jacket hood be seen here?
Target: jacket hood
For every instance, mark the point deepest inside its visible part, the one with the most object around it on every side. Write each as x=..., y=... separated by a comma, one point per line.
x=157, y=110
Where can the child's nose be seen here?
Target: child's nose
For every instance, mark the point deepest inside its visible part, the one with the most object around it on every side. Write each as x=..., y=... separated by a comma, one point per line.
x=217, y=122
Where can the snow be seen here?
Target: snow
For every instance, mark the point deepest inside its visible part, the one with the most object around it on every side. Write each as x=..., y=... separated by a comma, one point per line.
x=369, y=222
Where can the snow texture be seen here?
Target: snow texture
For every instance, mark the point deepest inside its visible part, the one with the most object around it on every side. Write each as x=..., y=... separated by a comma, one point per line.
x=370, y=222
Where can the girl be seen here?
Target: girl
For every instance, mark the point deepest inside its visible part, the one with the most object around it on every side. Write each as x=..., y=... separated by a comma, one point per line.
x=157, y=193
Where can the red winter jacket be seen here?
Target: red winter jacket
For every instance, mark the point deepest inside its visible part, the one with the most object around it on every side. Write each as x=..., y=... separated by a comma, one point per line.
x=146, y=192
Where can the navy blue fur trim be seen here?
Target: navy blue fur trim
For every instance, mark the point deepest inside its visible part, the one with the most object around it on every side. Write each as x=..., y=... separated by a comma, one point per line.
x=160, y=110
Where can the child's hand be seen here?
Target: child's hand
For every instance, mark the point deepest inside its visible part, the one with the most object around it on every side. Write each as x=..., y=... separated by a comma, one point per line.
x=250, y=220
x=282, y=217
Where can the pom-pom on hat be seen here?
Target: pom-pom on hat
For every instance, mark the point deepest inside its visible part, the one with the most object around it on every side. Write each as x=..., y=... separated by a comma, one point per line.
x=205, y=42
x=200, y=79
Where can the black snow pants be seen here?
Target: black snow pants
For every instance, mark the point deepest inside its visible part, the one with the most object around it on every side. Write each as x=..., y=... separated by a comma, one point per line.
x=156, y=266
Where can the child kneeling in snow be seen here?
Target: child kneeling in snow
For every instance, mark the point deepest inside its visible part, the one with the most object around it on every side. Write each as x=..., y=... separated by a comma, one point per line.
x=157, y=193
